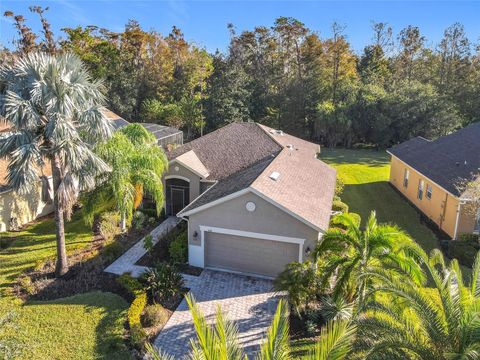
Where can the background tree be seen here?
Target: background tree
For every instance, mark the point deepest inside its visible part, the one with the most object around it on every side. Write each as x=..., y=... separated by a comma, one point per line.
x=54, y=110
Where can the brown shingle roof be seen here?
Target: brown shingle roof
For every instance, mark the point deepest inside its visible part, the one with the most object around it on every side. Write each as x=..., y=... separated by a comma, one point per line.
x=448, y=160
x=230, y=149
x=305, y=186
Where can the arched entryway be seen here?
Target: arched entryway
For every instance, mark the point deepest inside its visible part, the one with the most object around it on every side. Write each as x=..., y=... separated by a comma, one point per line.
x=177, y=195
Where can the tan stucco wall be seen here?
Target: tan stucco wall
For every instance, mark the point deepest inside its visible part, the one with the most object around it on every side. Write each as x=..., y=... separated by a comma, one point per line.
x=441, y=208
x=25, y=208
x=266, y=219
x=185, y=173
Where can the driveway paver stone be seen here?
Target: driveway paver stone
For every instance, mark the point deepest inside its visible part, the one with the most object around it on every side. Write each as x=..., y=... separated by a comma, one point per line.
x=249, y=302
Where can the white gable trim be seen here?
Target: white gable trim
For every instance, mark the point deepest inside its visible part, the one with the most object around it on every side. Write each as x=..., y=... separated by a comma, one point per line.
x=245, y=191
x=212, y=203
x=202, y=176
x=177, y=177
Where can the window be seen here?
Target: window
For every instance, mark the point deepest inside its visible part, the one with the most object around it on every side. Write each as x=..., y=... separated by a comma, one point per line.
x=428, y=193
x=420, y=189
x=405, y=177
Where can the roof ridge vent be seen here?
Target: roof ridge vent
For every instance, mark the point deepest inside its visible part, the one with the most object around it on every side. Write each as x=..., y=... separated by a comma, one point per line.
x=274, y=175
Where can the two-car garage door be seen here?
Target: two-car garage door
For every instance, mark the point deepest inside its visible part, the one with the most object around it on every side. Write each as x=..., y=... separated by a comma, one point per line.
x=247, y=254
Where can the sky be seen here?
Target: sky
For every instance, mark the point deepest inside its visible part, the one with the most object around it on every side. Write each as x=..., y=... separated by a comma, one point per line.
x=205, y=22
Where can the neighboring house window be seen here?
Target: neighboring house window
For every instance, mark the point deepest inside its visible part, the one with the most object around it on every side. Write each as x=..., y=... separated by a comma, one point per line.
x=405, y=177
x=420, y=189
x=428, y=193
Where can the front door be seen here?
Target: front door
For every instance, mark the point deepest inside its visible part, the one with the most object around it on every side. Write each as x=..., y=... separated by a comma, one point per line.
x=178, y=200
x=177, y=195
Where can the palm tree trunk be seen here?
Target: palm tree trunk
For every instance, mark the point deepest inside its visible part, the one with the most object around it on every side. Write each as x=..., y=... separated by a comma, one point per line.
x=62, y=263
x=123, y=222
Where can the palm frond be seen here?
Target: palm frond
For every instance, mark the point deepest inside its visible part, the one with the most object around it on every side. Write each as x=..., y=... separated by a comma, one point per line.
x=276, y=345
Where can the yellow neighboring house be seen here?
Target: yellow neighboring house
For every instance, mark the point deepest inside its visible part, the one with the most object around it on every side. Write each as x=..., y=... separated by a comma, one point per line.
x=429, y=174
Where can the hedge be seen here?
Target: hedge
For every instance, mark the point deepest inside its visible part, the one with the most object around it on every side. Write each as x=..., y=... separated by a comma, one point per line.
x=137, y=334
x=340, y=206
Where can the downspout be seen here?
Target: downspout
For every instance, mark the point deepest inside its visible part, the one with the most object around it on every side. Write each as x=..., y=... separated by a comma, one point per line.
x=460, y=203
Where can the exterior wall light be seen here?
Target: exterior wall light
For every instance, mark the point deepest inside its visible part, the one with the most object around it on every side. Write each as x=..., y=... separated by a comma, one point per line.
x=308, y=251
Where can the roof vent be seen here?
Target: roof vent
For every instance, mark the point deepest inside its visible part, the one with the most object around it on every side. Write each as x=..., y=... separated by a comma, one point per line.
x=274, y=175
x=276, y=132
x=290, y=146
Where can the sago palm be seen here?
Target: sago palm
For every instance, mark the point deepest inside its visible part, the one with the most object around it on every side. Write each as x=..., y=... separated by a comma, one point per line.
x=343, y=255
x=410, y=322
x=54, y=110
x=137, y=166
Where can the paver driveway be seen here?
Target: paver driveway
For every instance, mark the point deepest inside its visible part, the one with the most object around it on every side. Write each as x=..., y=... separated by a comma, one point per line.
x=250, y=302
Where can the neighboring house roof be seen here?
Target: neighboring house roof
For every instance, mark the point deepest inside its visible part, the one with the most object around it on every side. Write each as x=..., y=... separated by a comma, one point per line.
x=448, y=160
x=230, y=149
x=118, y=121
x=161, y=131
x=304, y=186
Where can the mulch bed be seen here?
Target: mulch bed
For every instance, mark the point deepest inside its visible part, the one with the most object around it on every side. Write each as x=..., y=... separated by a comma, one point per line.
x=86, y=269
x=160, y=254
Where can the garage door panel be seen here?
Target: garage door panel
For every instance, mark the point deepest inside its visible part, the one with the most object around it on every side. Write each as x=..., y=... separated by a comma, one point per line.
x=249, y=255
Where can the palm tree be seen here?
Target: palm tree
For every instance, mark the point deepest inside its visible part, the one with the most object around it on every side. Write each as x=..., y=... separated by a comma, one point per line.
x=345, y=254
x=137, y=166
x=54, y=110
x=410, y=322
x=220, y=341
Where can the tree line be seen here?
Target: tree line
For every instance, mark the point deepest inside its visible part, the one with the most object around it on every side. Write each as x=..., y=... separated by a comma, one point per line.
x=286, y=76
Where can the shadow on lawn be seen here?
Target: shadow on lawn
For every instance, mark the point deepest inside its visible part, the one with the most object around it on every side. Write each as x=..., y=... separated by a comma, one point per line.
x=109, y=332
x=393, y=208
x=370, y=158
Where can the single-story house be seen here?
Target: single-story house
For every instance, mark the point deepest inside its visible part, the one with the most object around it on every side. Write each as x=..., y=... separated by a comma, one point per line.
x=430, y=174
x=16, y=210
x=255, y=198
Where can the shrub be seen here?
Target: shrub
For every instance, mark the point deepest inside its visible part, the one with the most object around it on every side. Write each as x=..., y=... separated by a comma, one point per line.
x=154, y=315
x=470, y=238
x=138, y=336
x=178, y=248
x=338, y=221
x=299, y=281
x=112, y=251
x=133, y=286
x=148, y=243
x=339, y=186
x=149, y=212
x=163, y=281
x=136, y=308
x=138, y=220
x=109, y=225
x=26, y=284
x=340, y=206
x=463, y=250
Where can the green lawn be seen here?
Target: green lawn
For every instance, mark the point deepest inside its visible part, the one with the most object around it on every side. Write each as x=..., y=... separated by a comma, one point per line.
x=85, y=326
x=366, y=173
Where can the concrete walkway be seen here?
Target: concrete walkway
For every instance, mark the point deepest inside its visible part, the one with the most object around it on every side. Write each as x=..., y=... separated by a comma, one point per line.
x=126, y=262
x=248, y=301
